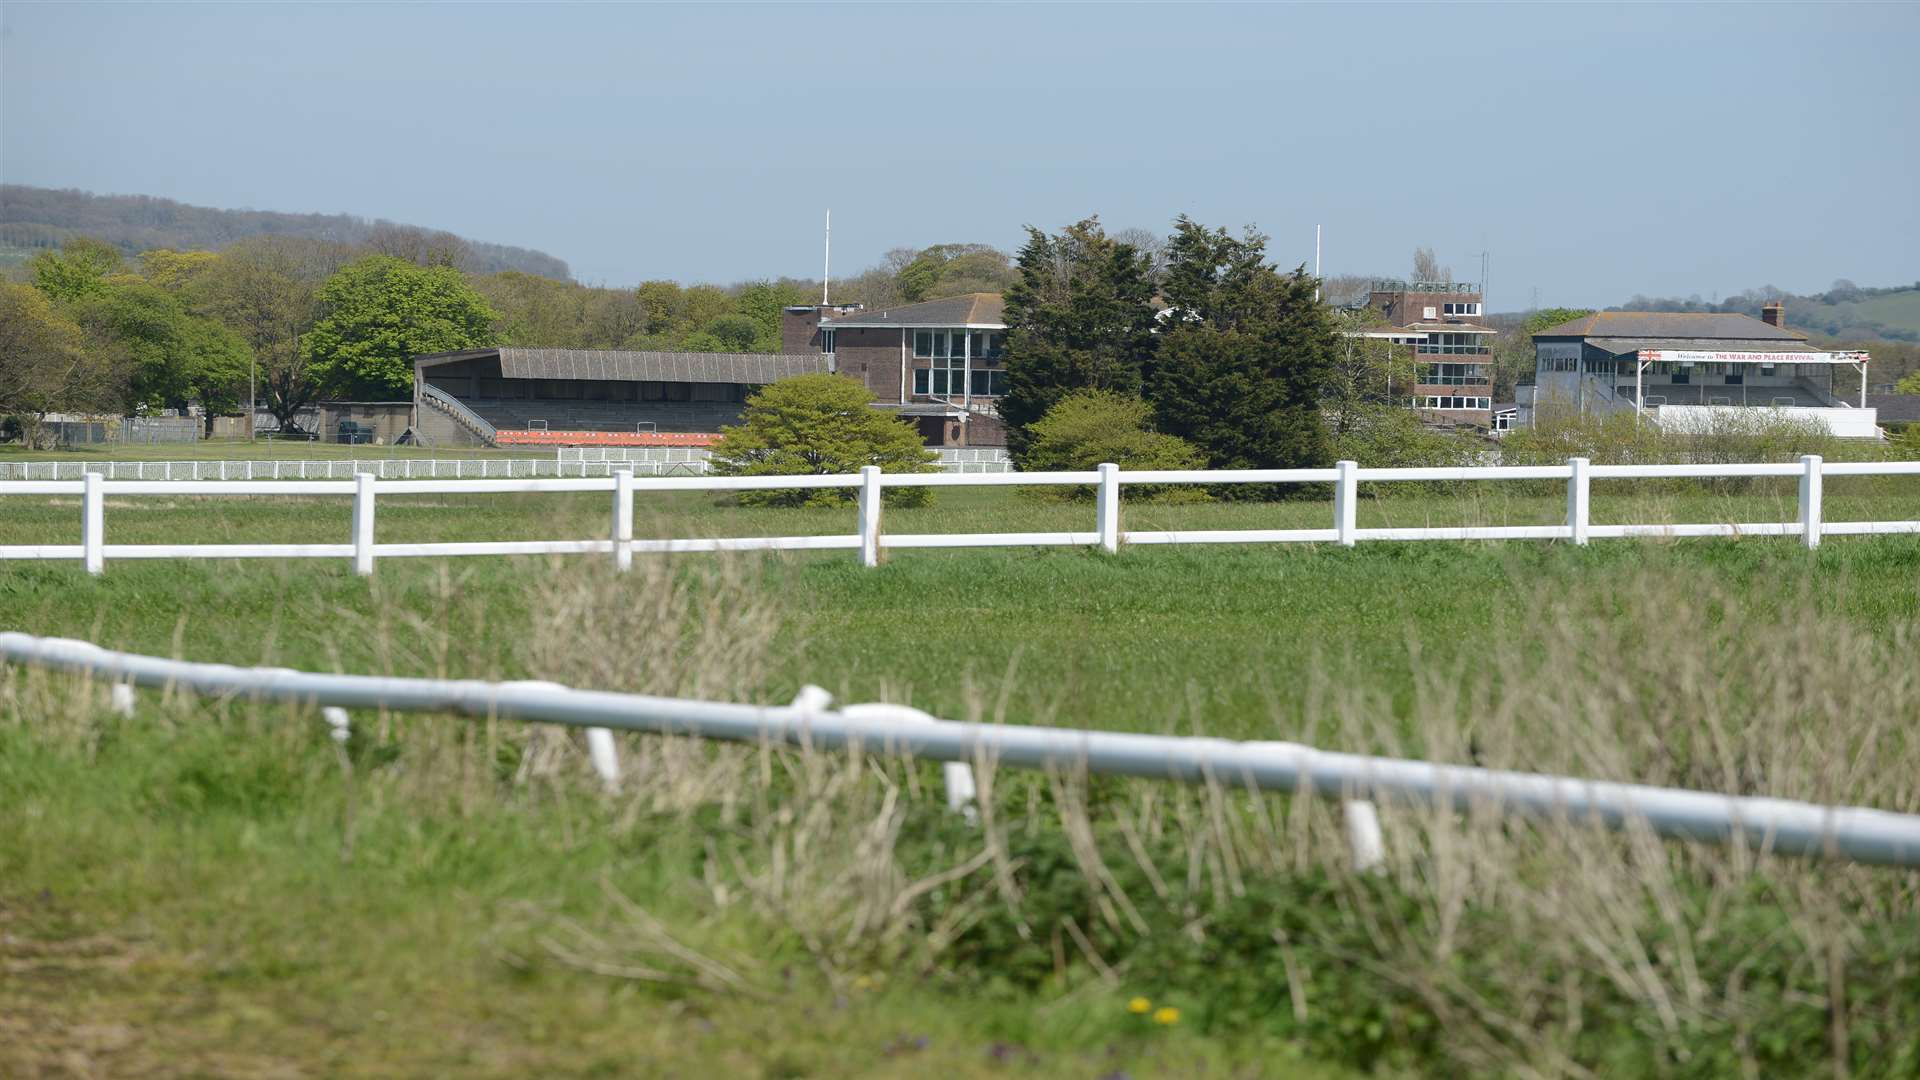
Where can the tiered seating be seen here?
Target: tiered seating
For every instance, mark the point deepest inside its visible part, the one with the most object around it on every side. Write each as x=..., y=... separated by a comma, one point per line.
x=696, y=416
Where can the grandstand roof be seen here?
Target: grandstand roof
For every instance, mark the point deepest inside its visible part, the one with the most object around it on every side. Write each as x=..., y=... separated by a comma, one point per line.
x=1701, y=325
x=619, y=365
x=1626, y=345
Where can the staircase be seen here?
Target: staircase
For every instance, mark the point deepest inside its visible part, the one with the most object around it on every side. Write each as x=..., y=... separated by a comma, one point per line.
x=459, y=417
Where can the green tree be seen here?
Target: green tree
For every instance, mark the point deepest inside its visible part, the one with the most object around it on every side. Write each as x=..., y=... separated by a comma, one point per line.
x=953, y=270
x=80, y=268
x=1553, y=316
x=1247, y=356
x=1088, y=428
x=45, y=364
x=819, y=425
x=176, y=357
x=1079, y=316
x=762, y=302
x=377, y=314
x=734, y=333
x=1908, y=385
x=264, y=290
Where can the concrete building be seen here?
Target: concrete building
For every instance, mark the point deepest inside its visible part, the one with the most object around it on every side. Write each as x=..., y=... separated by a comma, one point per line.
x=1683, y=370
x=590, y=397
x=1440, y=322
x=937, y=363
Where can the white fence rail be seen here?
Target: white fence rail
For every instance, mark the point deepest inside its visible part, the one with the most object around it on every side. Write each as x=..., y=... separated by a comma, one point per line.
x=1783, y=826
x=869, y=484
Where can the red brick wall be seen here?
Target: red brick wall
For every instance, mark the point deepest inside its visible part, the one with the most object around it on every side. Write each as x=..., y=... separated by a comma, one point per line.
x=872, y=358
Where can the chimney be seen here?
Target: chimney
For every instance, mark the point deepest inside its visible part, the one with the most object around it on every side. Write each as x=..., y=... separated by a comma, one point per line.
x=1774, y=314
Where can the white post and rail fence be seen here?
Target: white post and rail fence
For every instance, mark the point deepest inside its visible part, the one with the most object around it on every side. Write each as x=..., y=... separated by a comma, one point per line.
x=1781, y=826
x=870, y=485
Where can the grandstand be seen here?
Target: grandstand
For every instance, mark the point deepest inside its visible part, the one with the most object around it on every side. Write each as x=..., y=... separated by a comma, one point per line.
x=589, y=397
x=1685, y=370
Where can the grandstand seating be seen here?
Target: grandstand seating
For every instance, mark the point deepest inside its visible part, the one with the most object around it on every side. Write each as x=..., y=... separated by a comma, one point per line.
x=1803, y=395
x=594, y=416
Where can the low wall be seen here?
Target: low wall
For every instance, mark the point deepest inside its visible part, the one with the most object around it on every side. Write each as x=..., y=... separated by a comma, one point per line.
x=1841, y=423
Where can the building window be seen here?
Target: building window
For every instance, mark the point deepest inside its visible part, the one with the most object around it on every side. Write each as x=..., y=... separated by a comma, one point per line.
x=948, y=378
x=1451, y=403
x=1461, y=309
x=826, y=341
x=1452, y=344
x=1454, y=374
x=937, y=344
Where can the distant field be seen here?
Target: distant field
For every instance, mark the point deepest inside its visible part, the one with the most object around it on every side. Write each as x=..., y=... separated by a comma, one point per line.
x=180, y=900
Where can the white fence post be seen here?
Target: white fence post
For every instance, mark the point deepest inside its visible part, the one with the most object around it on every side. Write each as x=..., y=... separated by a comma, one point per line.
x=1364, y=839
x=605, y=757
x=363, y=524
x=1579, y=490
x=1810, y=501
x=623, y=520
x=870, y=515
x=1107, y=507
x=93, y=519
x=1346, y=491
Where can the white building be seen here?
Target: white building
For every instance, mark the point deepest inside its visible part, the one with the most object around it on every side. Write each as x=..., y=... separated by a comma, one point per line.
x=1682, y=370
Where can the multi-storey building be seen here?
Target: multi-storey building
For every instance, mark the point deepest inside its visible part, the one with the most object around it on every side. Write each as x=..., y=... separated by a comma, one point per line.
x=936, y=363
x=1440, y=321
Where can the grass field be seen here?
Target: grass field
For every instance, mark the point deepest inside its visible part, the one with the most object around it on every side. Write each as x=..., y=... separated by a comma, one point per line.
x=205, y=891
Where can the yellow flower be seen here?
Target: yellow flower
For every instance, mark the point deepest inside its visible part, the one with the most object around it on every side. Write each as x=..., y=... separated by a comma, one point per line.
x=1166, y=1014
x=862, y=982
x=1139, y=1006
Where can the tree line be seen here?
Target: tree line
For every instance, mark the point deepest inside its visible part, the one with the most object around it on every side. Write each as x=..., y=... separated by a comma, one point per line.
x=289, y=320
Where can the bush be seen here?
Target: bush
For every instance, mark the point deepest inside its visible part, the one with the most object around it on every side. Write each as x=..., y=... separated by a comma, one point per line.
x=1088, y=428
x=819, y=425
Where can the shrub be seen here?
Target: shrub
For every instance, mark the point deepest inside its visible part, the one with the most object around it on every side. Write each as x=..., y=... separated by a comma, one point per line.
x=819, y=425
x=1088, y=428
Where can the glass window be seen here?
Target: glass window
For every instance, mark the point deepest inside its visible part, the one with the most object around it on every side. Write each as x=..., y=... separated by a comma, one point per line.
x=923, y=343
x=920, y=377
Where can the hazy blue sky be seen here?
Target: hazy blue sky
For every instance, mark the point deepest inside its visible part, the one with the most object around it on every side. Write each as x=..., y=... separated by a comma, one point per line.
x=1596, y=151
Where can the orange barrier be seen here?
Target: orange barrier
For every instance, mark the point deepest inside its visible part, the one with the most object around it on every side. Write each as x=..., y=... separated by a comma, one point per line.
x=605, y=438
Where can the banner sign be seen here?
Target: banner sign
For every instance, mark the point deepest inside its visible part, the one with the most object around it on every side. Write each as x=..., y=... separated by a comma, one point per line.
x=1692, y=356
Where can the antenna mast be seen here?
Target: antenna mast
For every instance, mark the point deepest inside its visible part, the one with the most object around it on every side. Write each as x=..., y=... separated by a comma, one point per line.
x=1316, y=262
x=826, y=268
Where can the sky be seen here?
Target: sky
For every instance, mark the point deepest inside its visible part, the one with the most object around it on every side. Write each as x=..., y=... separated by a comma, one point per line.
x=1593, y=151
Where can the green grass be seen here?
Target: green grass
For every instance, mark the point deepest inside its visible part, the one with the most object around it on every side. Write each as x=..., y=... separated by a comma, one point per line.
x=178, y=904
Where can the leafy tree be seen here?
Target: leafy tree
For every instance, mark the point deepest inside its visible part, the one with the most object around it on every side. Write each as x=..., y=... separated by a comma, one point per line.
x=952, y=270
x=660, y=303
x=45, y=364
x=1247, y=356
x=817, y=425
x=176, y=357
x=80, y=268
x=377, y=314
x=735, y=333
x=761, y=302
x=264, y=290
x=176, y=271
x=1079, y=316
x=1908, y=385
x=1088, y=428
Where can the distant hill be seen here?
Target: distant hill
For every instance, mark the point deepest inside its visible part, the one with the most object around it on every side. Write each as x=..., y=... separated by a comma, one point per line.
x=34, y=218
x=1846, y=311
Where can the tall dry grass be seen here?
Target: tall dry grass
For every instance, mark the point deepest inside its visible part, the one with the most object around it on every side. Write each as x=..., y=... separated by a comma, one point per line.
x=1485, y=943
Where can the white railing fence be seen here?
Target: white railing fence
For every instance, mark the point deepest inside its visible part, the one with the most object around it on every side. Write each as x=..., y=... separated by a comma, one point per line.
x=1783, y=826
x=870, y=483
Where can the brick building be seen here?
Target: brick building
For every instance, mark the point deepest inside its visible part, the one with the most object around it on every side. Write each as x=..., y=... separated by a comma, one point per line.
x=936, y=363
x=1440, y=322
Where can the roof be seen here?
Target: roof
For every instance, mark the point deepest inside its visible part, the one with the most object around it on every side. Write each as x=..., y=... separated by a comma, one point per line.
x=619, y=365
x=1701, y=325
x=1621, y=346
x=981, y=310
x=1447, y=328
x=1897, y=408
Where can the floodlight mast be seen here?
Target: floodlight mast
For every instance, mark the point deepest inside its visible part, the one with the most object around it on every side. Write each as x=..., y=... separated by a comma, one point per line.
x=826, y=267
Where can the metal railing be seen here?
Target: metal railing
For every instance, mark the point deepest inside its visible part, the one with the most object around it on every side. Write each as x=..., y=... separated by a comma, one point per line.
x=439, y=399
x=870, y=483
x=1781, y=826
